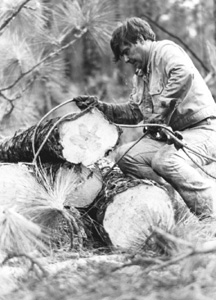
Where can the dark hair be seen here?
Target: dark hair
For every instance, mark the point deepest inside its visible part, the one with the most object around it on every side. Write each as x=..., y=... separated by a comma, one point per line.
x=129, y=32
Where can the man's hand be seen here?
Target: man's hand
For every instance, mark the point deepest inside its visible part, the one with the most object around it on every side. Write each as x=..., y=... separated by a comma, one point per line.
x=85, y=101
x=155, y=119
x=154, y=131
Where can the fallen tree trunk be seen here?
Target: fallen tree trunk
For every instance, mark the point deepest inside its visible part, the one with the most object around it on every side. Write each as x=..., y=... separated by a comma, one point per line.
x=80, y=138
x=128, y=209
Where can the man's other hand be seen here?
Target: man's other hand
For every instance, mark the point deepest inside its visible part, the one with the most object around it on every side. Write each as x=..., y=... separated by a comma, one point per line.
x=85, y=101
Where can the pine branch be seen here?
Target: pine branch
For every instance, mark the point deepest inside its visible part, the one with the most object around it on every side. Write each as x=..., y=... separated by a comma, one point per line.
x=14, y=14
x=5, y=97
x=20, y=94
x=50, y=56
x=17, y=233
x=192, y=252
x=206, y=248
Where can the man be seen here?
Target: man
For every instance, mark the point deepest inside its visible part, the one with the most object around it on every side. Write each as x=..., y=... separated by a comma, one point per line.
x=168, y=90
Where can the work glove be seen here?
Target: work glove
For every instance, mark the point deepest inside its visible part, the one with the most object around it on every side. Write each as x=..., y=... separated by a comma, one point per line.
x=155, y=119
x=85, y=101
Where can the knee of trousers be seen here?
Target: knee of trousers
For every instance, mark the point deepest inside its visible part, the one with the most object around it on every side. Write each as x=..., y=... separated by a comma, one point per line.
x=123, y=162
x=128, y=164
x=163, y=163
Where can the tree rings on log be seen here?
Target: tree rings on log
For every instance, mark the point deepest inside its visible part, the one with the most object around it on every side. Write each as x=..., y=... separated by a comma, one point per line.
x=130, y=208
x=88, y=138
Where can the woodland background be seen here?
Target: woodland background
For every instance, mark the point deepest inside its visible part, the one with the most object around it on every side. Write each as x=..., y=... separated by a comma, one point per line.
x=52, y=51
x=55, y=50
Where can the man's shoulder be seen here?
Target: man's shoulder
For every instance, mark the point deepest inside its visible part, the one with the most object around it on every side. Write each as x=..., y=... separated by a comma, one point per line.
x=165, y=49
x=165, y=44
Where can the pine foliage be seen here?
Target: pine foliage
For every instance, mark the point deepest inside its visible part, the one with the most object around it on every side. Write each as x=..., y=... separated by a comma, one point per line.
x=18, y=234
x=33, y=37
x=32, y=209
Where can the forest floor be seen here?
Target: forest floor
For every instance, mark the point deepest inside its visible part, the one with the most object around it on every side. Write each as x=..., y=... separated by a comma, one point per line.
x=180, y=266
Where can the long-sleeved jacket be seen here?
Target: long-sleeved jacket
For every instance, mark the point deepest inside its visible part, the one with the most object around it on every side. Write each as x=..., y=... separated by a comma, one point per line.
x=172, y=88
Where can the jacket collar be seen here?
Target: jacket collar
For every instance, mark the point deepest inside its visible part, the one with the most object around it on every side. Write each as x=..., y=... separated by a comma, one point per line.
x=152, y=48
x=140, y=72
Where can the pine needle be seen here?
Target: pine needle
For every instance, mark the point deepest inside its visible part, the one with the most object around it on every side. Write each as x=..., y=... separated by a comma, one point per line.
x=67, y=16
x=19, y=235
x=65, y=182
x=31, y=206
x=24, y=46
x=18, y=58
x=97, y=15
x=29, y=19
x=46, y=208
x=51, y=196
x=101, y=20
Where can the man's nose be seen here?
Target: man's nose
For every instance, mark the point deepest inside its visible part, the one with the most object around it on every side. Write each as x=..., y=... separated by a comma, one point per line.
x=126, y=58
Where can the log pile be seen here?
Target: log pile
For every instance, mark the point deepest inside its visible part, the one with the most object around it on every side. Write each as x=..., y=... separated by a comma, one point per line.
x=66, y=184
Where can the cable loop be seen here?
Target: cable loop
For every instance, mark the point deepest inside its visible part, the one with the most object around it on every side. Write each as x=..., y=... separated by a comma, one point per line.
x=173, y=137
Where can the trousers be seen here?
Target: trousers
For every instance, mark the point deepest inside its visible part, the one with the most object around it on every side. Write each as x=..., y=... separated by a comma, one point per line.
x=156, y=160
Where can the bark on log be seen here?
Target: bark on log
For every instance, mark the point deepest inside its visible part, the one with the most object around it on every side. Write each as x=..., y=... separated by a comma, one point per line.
x=81, y=138
x=129, y=208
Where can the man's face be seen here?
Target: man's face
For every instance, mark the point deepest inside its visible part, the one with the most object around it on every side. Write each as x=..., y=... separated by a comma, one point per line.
x=136, y=54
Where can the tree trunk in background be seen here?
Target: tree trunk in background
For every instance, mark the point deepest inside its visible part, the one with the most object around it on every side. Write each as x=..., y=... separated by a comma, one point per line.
x=117, y=10
x=214, y=9
x=91, y=57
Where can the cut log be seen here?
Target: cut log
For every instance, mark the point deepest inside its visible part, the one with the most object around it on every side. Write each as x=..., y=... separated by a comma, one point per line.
x=93, y=137
x=129, y=208
x=87, y=187
x=81, y=138
x=129, y=219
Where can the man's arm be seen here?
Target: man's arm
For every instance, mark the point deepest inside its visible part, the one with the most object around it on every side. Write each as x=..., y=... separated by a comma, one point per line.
x=178, y=69
x=126, y=113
